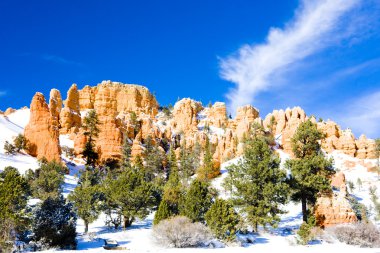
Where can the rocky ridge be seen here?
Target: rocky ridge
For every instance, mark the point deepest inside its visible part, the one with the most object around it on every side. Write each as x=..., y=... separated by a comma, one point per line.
x=131, y=111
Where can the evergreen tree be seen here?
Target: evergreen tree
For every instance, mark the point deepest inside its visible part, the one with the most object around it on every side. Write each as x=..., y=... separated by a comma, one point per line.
x=223, y=220
x=208, y=170
x=126, y=153
x=9, y=148
x=91, y=131
x=164, y=212
x=257, y=183
x=310, y=170
x=189, y=161
x=171, y=198
x=130, y=193
x=13, y=196
x=48, y=180
x=172, y=161
x=86, y=200
x=54, y=223
x=153, y=160
x=197, y=201
x=20, y=142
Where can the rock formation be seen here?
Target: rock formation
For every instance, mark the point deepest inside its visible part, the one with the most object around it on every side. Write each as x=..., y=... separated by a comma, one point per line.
x=338, y=180
x=185, y=114
x=70, y=117
x=41, y=133
x=55, y=106
x=8, y=111
x=335, y=209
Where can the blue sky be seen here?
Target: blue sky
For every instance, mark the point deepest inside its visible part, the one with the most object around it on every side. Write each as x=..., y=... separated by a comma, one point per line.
x=322, y=55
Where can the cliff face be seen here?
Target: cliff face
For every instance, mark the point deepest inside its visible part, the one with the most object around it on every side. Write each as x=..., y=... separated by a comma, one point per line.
x=131, y=111
x=285, y=123
x=41, y=131
x=70, y=115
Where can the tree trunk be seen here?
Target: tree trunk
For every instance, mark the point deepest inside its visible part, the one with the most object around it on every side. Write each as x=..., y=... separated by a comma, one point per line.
x=304, y=209
x=127, y=222
x=85, y=227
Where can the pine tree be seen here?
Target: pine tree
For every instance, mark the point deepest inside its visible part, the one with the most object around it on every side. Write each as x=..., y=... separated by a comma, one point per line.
x=153, y=160
x=171, y=198
x=208, y=170
x=163, y=212
x=189, y=161
x=48, y=180
x=54, y=223
x=86, y=200
x=126, y=153
x=130, y=193
x=13, y=198
x=20, y=142
x=310, y=170
x=172, y=161
x=91, y=131
x=257, y=183
x=197, y=201
x=9, y=148
x=223, y=220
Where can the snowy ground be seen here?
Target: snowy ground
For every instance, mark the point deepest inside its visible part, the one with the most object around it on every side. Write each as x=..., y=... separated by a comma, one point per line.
x=138, y=238
x=10, y=127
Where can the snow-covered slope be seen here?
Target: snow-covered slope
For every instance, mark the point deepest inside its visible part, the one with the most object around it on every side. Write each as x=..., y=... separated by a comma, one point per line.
x=10, y=127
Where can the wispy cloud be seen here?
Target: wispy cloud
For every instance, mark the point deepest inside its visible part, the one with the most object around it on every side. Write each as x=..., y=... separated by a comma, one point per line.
x=3, y=93
x=362, y=115
x=317, y=24
x=58, y=59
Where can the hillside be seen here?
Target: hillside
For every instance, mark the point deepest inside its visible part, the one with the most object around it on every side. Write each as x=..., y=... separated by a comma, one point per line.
x=131, y=111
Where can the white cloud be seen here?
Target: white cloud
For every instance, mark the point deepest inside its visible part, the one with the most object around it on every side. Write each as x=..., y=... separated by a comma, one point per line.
x=316, y=25
x=362, y=115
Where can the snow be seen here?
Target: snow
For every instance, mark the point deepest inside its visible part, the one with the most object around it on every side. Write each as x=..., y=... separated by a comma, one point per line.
x=20, y=117
x=10, y=127
x=64, y=140
x=138, y=238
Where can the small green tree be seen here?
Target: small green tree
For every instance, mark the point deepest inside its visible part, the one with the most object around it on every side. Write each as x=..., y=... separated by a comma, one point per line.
x=91, y=131
x=257, y=184
x=208, y=170
x=171, y=198
x=9, y=148
x=48, y=180
x=163, y=212
x=223, y=220
x=86, y=200
x=13, y=196
x=131, y=194
x=126, y=153
x=20, y=142
x=197, y=201
x=54, y=223
x=153, y=160
x=310, y=170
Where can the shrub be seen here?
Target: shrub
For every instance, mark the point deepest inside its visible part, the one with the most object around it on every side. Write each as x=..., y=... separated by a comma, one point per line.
x=20, y=142
x=180, y=232
x=222, y=220
x=361, y=234
x=54, y=224
x=306, y=233
x=9, y=148
x=197, y=201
